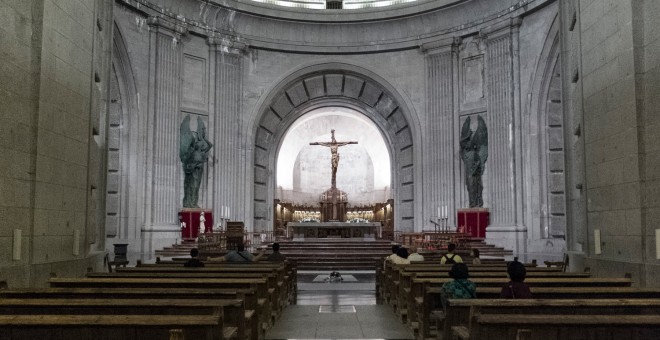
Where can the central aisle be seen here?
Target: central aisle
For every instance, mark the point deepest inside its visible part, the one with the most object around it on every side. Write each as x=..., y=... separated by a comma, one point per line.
x=338, y=310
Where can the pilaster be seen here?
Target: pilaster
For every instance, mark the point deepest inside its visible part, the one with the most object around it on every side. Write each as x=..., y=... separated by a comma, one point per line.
x=230, y=173
x=503, y=124
x=439, y=176
x=164, y=101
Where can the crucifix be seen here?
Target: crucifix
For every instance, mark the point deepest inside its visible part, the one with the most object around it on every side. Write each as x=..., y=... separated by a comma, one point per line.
x=334, y=145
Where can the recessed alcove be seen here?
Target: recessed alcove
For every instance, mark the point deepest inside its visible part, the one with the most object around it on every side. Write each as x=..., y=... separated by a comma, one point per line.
x=304, y=171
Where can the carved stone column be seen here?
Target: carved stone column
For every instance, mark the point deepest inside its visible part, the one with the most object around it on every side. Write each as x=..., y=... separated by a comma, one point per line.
x=502, y=124
x=229, y=172
x=439, y=176
x=163, y=163
x=504, y=146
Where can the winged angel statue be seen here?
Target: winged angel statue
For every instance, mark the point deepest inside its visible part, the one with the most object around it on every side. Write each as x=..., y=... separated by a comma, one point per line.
x=474, y=152
x=193, y=152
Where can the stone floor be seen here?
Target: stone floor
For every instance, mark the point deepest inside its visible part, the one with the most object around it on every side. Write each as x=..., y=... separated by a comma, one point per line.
x=338, y=310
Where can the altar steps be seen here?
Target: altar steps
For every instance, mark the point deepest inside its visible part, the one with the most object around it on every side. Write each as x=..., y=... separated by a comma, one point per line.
x=351, y=254
x=335, y=254
x=179, y=249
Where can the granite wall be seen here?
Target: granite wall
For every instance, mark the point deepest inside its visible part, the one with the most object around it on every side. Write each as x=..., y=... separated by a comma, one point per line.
x=55, y=70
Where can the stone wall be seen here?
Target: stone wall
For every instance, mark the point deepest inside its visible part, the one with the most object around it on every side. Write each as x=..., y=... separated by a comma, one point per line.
x=55, y=71
x=613, y=71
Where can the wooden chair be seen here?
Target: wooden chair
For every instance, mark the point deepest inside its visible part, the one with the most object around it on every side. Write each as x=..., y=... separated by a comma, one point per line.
x=561, y=264
x=109, y=263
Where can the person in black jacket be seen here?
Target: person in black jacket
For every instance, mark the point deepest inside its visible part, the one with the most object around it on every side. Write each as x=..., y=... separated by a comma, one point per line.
x=516, y=288
x=194, y=261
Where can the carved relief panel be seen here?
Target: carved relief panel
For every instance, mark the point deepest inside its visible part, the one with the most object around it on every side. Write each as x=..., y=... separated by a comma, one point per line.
x=471, y=75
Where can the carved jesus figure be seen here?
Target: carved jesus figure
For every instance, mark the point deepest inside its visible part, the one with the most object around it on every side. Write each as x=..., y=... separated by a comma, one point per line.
x=334, y=146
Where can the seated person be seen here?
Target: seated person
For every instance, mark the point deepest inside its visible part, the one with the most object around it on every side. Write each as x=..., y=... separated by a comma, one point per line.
x=401, y=256
x=240, y=255
x=516, y=288
x=415, y=256
x=395, y=248
x=450, y=257
x=276, y=256
x=475, y=256
x=194, y=261
x=460, y=287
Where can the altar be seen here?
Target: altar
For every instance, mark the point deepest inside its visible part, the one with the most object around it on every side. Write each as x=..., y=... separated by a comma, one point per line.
x=365, y=231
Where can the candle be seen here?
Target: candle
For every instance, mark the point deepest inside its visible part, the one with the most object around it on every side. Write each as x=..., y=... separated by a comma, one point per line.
x=439, y=215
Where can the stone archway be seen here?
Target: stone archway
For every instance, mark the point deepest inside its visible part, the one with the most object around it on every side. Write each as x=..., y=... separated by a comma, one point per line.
x=334, y=86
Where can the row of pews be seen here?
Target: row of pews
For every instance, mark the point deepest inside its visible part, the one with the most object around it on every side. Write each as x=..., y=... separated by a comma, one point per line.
x=565, y=305
x=162, y=301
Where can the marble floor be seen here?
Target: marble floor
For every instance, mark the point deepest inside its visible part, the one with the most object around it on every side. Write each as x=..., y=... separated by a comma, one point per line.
x=338, y=310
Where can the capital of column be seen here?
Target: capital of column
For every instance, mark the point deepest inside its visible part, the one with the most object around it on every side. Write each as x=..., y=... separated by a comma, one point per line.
x=161, y=25
x=227, y=44
x=504, y=27
x=446, y=45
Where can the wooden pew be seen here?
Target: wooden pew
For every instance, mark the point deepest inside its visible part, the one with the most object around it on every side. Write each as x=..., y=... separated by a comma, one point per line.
x=405, y=304
x=112, y=327
x=286, y=270
x=265, y=299
x=231, y=311
x=282, y=279
x=459, y=311
x=560, y=327
x=421, y=304
x=388, y=277
x=425, y=307
x=275, y=288
x=248, y=296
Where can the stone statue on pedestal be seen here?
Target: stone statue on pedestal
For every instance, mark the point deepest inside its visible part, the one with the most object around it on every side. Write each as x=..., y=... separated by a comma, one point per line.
x=474, y=153
x=194, y=152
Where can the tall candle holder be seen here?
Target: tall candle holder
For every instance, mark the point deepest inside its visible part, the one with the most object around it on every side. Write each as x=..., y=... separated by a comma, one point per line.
x=444, y=223
x=224, y=217
x=443, y=219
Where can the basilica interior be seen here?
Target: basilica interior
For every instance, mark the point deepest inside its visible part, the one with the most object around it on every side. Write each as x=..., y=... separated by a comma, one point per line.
x=294, y=120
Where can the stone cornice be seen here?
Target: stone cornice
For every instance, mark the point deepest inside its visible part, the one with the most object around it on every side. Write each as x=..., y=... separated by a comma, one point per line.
x=446, y=45
x=219, y=18
x=226, y=44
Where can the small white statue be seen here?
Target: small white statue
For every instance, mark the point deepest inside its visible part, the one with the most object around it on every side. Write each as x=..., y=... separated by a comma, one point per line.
x=202, y=223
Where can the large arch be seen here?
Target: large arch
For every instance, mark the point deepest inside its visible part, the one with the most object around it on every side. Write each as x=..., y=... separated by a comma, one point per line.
x=126, y=147
x=547, y=192
x=344, y=85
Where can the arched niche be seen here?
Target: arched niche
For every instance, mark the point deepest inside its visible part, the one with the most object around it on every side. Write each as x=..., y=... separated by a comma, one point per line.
x=338, y=85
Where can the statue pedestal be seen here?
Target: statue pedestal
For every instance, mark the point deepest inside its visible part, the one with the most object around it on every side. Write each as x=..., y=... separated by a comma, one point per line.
x=191, y=217
x=473, y=221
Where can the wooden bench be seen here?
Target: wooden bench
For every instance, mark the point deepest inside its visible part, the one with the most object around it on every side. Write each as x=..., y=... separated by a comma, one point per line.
x=265, y=299
x=286, y=270
x=421, y=301
x=403, y=287
x=425, y=307
x=560, y=327
x=458, y=312
x=231, y=311
x=388, y=277
x=277, y=289
x=248, y=296
x=113, y=327
x=284, y=282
